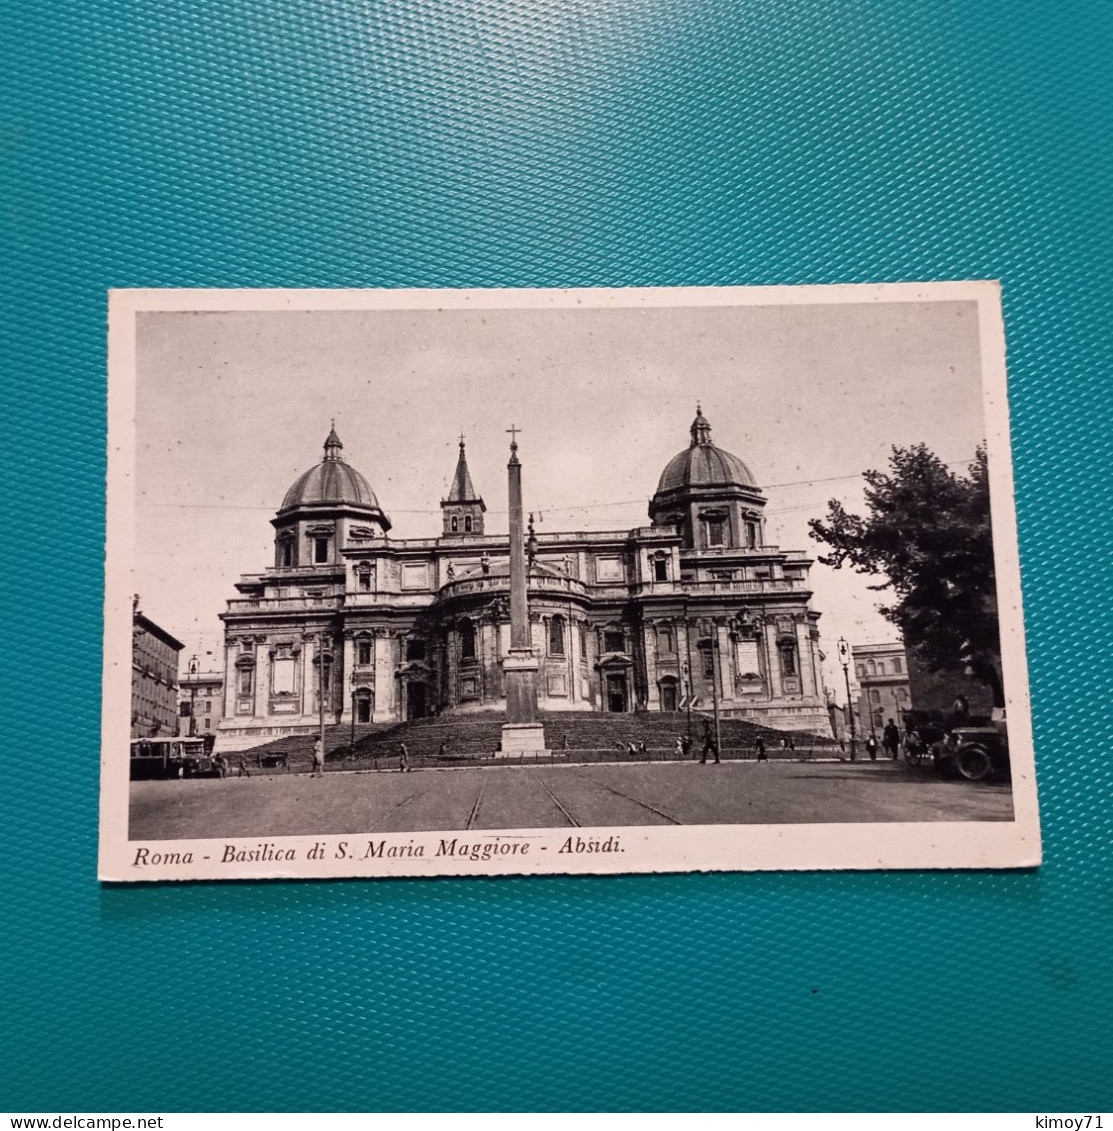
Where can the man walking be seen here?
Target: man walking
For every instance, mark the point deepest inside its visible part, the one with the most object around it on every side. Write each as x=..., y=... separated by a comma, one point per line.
x=318, y=758
x=759, y=746
x=890, y=739
x=871, y=747
x=709, y=744
x=403, y=759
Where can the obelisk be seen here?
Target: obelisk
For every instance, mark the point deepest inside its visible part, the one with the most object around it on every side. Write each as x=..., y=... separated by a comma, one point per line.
x=521, y=733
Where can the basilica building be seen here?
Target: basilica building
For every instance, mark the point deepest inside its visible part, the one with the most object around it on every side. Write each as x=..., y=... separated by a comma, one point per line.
x=695, y=608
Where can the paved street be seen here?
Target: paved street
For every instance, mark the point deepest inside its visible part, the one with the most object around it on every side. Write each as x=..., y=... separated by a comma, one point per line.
x=669, y=793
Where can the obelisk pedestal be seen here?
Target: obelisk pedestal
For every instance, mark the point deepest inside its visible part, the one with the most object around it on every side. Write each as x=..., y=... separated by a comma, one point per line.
x=521, y=733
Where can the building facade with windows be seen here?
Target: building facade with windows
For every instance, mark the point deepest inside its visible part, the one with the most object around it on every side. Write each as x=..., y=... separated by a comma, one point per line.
x=883, y=687
x=693, y=607
x=200, y=701
x=154, y=678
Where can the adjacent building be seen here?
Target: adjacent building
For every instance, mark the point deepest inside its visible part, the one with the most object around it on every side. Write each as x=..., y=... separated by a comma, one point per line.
x=881, y=671
x=200, y=700
x=361, y=627
x=154, y=678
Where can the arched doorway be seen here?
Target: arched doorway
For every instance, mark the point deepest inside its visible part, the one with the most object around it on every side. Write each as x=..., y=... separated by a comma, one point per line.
x=669, y=697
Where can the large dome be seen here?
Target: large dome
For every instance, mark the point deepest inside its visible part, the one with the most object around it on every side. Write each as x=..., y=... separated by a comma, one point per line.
x=702, y=464
x=331, y=483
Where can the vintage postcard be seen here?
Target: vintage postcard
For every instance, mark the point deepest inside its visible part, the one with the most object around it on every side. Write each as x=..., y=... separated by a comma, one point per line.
x=422, y=583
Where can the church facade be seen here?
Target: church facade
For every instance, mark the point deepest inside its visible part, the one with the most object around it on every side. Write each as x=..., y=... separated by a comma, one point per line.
x=695, y=607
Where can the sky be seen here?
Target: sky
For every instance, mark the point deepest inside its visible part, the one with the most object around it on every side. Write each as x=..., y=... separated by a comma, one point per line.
x=232, y=406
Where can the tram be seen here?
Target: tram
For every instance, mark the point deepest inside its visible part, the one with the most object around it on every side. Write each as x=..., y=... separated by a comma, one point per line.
x=172, y=757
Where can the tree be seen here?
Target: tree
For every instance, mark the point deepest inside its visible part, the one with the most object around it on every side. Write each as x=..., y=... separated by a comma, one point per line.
x=928, y=534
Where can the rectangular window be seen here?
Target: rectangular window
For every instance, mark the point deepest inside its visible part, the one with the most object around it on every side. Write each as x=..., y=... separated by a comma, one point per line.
x=583, y=642
x=365, y=581
x=208, y=724
x=614, y=640
x=245, y=681
x=320, y=550
x=708, y=663
x=716, y=532
x=665, y=642
x=363, y=652
x=660, y=569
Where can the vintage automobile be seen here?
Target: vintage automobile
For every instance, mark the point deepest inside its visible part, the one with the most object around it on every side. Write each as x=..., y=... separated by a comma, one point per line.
x=172, y=757
x=975, y=751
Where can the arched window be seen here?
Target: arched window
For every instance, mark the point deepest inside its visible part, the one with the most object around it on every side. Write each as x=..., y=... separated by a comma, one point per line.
x=467, y=640
x=872, y=667
x=897, y=665
x=859, y=670
x=455, y=525
x=467, y=524
x=556, y=636
x=875, y=697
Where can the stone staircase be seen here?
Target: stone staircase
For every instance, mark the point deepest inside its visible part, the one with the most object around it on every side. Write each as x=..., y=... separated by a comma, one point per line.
x=570, y=735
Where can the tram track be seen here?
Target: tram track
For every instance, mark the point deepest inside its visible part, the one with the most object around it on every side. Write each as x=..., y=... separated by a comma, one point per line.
x=557, y=802
x=644, y=804
x=475, y=808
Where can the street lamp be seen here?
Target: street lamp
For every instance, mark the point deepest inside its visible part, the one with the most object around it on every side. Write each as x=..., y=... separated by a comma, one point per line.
x=194, y=667
x=844, y=659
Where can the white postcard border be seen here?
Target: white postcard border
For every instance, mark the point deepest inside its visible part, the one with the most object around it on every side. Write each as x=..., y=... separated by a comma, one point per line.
x=887, y=845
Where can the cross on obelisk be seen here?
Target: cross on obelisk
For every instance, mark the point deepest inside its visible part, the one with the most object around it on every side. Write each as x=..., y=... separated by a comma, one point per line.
x=522, y=733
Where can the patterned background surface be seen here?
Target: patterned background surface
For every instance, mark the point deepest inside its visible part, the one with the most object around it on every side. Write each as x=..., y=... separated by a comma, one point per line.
x=548, y=142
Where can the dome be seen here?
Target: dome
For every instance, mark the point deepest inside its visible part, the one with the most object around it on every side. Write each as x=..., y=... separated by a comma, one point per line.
x=702, y=464
x=331, y=483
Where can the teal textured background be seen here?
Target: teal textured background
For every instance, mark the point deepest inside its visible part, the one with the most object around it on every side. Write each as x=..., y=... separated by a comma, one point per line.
x=532, y=143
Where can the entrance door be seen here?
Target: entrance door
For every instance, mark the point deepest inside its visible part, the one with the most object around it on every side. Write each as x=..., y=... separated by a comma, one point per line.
x=668, y=695
x=415, y=701
x=616, y=693
x=363, y=708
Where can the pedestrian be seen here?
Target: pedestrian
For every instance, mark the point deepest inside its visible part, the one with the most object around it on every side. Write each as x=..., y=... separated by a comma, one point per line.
x=220, y=764
x=759, y=746
x=244, y=772
x=709, y=744
x=442, y=751
x=871, y=747
x=403, y=759
x=631, y=747
x=564, y=741
x=679, y=746
x=318, y=757
x=686, y=745
x=890, y=739
x=792, y=743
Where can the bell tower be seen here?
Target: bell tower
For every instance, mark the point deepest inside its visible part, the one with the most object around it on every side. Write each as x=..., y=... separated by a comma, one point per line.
x=463, y=509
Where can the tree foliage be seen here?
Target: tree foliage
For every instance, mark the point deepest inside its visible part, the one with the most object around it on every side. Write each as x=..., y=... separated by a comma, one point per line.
x=928, y=534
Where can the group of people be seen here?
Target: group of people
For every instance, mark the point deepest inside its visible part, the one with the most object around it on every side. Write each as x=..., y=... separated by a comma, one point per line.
x=890, y=741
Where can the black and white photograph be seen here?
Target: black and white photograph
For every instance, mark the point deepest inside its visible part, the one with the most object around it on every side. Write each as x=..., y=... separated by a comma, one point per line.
x=584, y=581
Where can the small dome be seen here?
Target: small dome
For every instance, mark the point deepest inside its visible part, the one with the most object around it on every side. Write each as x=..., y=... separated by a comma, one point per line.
x=333, y=482
x=702, y=464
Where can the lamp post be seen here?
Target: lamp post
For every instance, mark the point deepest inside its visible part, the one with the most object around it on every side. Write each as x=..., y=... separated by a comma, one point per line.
x=194, y=667
x=844, y=659
x=688, y=667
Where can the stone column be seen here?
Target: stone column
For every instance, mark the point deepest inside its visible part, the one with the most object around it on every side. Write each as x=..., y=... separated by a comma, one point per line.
x=347, y=670
x=229, y=679
x=262, y=678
